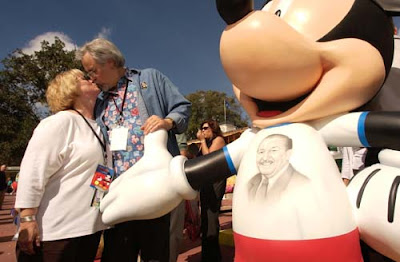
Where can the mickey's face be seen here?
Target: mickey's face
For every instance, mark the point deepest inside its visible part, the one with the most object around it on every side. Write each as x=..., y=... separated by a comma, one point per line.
x=256, y=47
x=266, y=58
x=302, y=58
x=312, y=18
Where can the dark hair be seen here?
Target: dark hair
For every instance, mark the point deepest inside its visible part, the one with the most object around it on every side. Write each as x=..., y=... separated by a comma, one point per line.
x=214, y=127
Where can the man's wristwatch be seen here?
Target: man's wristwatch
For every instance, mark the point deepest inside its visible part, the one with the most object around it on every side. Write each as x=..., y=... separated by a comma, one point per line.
x=27, y=219
x=173, y=123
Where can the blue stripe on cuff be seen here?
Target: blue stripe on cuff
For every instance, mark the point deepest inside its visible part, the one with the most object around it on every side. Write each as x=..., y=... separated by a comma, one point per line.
x=361, y=129
x=277, y=125
x=229, y=161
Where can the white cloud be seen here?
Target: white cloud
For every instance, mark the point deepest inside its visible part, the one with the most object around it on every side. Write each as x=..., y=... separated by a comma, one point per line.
x=104, y=33
x=41, y=110
x=35, y=44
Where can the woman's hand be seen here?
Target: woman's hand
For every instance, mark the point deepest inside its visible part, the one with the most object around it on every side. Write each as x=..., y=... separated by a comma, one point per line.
x=200, y=135
x=28, y=237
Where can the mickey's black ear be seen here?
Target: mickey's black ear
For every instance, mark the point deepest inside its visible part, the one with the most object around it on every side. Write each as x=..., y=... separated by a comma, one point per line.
x=234, y=10
x=391, y=6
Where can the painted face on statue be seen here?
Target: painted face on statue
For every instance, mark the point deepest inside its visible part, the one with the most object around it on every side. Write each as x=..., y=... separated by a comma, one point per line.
x=272, y=156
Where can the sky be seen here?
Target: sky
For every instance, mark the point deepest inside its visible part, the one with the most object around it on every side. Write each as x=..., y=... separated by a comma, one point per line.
x=179, y=37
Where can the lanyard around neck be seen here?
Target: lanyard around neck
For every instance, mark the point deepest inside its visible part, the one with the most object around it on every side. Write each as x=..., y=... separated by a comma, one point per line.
x=103, y=145
x=121, y=111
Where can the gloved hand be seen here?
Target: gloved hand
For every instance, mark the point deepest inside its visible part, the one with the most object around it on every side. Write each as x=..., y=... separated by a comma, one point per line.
x=151, y=188
x=373, y=193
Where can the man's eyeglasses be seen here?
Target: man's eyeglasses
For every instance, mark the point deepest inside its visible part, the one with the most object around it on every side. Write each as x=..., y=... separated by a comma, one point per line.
x=91, y=73
x=204, y=128
x=86, y=77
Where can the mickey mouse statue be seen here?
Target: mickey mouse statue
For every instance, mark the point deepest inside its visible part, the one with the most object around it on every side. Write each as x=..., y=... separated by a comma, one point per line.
x=298, y=67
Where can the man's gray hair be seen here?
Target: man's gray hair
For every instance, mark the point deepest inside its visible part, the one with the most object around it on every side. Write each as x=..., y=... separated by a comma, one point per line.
x=101, y=50
x=288, y=140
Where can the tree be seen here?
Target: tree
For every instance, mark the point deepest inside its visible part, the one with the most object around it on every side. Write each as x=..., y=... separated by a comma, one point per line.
x=210, y=105
x=18, y=120
x=33, y=72
x=23, y=83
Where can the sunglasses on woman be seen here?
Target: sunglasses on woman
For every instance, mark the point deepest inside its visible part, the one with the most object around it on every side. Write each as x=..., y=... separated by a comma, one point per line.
x=204, y=128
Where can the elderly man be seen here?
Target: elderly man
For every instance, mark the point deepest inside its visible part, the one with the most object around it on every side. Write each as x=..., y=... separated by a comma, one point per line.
x=133, y=103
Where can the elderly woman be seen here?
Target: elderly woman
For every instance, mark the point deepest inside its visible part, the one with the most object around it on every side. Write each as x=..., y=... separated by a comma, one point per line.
x=58, y=219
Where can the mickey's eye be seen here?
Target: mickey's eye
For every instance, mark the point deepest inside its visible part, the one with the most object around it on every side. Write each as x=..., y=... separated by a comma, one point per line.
x=278, y=7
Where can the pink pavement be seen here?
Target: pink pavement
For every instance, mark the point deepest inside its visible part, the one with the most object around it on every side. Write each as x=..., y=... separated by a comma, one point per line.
x=7, y=230
x=191, y=250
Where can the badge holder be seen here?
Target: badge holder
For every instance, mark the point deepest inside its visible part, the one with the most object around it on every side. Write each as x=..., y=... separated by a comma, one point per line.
x=119, y=138
x=101, y=182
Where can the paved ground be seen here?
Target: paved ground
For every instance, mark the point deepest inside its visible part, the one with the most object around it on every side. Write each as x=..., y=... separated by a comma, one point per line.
x=7, y=231
x=191, y=251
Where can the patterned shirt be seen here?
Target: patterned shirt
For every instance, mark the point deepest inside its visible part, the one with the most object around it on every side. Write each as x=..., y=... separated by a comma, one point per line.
x=155, y=95
x=130, y=119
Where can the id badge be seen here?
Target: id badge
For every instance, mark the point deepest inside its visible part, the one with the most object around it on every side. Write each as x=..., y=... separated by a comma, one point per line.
x=97, y=197
x=119, y=138
x=102, y=178
x=101, y=182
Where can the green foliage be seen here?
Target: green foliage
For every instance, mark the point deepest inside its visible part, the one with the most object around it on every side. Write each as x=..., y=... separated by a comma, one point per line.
x=33, y=72
x=210, y=105
x=18, y=120
x=23, y=83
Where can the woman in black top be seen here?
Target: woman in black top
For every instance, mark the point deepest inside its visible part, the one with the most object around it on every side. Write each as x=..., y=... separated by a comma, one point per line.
x=211, y=139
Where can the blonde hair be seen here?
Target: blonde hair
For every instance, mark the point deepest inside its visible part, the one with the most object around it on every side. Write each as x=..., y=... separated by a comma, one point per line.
x=63, y=90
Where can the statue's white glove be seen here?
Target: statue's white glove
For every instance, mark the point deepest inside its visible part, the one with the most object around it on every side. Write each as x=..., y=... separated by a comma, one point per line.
x=151, y=188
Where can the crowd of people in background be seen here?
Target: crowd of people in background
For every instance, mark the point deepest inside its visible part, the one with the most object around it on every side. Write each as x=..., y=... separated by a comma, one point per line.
x=8, y=184
x=3, y=184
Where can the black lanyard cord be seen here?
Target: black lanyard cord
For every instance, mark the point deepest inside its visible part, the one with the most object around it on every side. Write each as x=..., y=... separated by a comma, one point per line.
x=103, y=145
x=121, y=111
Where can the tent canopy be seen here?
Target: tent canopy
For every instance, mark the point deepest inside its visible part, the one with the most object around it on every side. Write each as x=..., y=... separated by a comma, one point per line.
x=392, y=6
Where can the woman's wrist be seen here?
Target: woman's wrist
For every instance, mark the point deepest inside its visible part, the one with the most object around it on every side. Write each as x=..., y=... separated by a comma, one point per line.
x=23, y=212
x=29, y=218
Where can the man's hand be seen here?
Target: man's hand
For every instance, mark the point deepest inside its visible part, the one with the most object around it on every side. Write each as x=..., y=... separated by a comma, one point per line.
x=149, y=189
x=155, y=123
